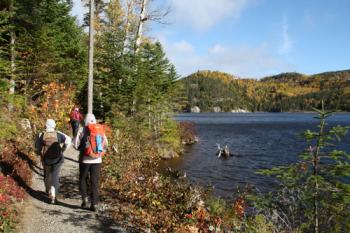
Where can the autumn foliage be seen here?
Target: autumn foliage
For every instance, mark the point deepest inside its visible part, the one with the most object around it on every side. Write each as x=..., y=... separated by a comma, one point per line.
x=145, y=198
x=55, y=102
x=16, y=160
x=10, y=195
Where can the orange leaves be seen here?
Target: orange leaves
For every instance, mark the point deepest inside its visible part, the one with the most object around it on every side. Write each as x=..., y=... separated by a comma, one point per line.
x=56, y=103
x=239, y=207
x=202, y=215
x=302, y=167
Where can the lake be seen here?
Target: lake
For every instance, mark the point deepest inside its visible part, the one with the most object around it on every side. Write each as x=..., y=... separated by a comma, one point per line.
x=257, y=140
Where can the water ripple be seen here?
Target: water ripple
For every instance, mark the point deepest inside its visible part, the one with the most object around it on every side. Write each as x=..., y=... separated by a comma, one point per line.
x=257, y=141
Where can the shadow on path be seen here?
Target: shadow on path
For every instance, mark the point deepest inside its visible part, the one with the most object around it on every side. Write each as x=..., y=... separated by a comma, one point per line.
x=32, y=165
x=70, y=159
x=67, y=213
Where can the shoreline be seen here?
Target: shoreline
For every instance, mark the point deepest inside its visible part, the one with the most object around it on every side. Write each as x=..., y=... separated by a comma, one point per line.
x=335, y=112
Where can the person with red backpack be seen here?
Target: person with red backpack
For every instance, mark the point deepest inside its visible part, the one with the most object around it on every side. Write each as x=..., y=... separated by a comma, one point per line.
x=50, y=145
x=92, y=144
x=75, y=119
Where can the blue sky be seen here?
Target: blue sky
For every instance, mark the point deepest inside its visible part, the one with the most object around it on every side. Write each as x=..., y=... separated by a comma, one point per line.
x=253, y=38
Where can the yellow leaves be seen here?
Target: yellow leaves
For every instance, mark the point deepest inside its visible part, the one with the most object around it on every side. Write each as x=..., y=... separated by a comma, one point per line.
x=156, y=203
x=57, y=101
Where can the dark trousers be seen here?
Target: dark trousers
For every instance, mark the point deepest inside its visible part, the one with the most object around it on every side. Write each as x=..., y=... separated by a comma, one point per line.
x=75, y=127
x=94, y=170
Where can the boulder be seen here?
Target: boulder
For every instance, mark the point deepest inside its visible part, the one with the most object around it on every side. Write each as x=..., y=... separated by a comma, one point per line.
x=165, y=152
x=169, y=154
x=195, y=109
x=216, y=109
x=239, y=110
x=190, y=141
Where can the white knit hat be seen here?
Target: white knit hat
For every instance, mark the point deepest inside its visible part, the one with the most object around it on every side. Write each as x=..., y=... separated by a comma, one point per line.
x=90, y=119
x=50, y=125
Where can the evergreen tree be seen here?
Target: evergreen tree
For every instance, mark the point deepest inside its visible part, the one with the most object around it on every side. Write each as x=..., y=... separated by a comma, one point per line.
x=315, y=194
x=49, y=45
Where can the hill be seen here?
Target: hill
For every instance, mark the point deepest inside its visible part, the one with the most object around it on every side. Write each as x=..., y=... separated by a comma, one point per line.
x=211, y=90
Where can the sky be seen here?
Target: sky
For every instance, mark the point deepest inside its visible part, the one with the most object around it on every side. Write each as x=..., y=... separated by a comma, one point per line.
x=253, y=38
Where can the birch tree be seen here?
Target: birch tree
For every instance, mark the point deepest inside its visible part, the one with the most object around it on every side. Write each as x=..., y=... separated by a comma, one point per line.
x=142, y=20
x=145, y=15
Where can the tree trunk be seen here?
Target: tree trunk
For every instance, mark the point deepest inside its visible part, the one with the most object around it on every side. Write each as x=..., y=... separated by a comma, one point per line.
x=126, y=42
x=142, y=19
x=91, y=57
x=315, y=170
x=149, y=113
x=13, y=67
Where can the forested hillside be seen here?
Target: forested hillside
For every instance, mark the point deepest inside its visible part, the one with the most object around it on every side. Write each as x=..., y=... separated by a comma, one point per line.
x=44, y=73
x=283, y=92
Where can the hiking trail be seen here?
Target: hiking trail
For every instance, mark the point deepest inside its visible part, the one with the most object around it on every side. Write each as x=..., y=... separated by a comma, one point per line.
x=66, y=216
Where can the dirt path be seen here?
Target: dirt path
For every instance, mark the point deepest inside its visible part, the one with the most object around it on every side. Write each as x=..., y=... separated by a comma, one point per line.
x=66, y=216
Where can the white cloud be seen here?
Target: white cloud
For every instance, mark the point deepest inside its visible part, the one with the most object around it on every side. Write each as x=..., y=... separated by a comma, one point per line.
x=183, y=47
x=286, y=41
x=205, y=14
x=244, y=61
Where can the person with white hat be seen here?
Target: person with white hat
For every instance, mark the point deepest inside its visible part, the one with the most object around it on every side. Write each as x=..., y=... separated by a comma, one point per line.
x=90, y=159
x=50, y=145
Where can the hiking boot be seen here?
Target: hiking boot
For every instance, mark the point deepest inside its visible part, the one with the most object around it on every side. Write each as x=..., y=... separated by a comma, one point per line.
x=93, y=208
x=84, y=204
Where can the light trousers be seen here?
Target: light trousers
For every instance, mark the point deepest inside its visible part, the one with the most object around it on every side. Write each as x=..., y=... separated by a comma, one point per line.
x=51, y=178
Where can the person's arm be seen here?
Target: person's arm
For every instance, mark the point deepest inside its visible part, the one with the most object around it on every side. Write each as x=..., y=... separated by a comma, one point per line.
x=63, y=138
x=78, y=139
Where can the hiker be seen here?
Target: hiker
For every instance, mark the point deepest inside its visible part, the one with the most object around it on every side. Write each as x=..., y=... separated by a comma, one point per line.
x=50, y=145
x=75, y=119
x=92, y=143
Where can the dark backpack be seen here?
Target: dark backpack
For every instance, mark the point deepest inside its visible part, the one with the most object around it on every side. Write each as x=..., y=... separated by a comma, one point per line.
x=51, y=150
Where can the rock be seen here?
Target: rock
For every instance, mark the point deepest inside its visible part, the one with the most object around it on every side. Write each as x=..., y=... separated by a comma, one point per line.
x=170, y=154
x=166, y=152
x=239, y=110
x=190, y=141
x=25, y=124
x=216, y=109
x=195, y=109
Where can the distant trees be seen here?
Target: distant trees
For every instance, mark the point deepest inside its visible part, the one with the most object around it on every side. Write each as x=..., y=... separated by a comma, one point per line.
x=283, y=92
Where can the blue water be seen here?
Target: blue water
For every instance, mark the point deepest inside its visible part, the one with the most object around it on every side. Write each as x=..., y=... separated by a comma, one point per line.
x=257, y=140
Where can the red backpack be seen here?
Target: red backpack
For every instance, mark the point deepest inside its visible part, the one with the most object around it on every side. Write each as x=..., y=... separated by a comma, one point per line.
x=75, y=116
x=95, y=143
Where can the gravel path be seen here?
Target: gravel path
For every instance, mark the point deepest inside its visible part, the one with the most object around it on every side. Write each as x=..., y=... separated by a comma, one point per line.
x=66, y=216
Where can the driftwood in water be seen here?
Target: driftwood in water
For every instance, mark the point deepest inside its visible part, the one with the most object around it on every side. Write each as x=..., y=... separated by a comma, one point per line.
x=223, y=152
